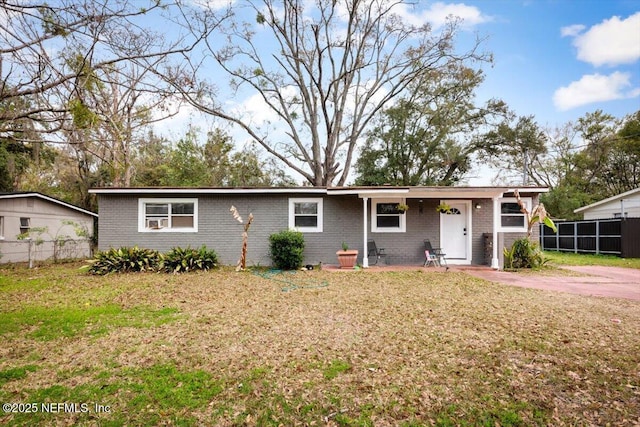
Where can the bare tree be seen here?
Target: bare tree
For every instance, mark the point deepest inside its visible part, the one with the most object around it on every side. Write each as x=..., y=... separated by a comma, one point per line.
x=49, y=50
x=115, y=115
x=330, y=66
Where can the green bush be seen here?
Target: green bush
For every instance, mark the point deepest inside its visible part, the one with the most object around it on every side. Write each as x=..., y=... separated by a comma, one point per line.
x=523, y=254
x=179, y=260
x=123, y=260
x=287, y=248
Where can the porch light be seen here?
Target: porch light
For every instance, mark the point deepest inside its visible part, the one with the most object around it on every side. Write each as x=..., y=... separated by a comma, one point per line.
x=478, y=205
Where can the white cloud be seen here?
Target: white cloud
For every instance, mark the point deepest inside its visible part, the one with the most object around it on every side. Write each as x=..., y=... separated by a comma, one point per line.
x=255, y=110
x=471, y=15
x=414, y=14
x=212, y=4
x=571, y=30
x=612, y=42
x=594, y=88
x=176, y=126
x=438, y=13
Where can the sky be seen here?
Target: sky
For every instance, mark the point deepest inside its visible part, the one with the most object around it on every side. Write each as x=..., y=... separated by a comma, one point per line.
x=554, y=59
x=560, y=59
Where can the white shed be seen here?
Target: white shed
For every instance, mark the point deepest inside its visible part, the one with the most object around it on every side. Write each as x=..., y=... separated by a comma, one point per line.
x=624, y=205
x=38, y=227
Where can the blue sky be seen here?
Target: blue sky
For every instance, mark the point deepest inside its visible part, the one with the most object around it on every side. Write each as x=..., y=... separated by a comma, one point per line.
x=560, y=59
x=554, y=59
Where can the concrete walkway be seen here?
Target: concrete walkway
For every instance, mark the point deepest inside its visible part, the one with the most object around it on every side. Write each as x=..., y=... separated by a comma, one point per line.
x=597, y=281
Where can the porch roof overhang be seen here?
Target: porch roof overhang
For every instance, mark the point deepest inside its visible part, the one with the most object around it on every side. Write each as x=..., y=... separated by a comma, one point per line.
x=414, y=192
x=432, y=192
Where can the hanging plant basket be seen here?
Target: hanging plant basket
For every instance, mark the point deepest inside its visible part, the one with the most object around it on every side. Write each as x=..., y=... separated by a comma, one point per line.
x=402, y=208
x=443, y=208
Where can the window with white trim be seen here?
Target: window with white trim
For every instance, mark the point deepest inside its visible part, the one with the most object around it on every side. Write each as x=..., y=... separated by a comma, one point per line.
x=512, y=219
x=305, y=214
x=168, y=215
x=385, y=216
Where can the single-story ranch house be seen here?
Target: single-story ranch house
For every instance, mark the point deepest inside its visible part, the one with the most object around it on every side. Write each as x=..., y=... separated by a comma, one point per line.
x=162, y=218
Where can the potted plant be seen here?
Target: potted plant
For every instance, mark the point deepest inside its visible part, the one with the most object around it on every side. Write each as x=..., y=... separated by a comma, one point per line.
x=402, y=208
x=443, y=208
x=346, y=257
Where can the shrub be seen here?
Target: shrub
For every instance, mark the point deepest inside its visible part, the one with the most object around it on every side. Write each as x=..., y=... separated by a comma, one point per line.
x=287, y=249
x=123, y=260
x=523, y=254
x=179, y=260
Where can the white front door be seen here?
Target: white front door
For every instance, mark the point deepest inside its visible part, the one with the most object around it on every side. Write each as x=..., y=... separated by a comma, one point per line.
x=455, y=231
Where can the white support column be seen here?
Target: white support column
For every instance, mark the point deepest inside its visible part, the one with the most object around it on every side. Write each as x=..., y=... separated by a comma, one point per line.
x=495, y=262
x=365, y=255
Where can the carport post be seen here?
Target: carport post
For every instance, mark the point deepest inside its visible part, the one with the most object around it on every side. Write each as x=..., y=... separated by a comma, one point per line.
x=495, y=263
x=365, y=255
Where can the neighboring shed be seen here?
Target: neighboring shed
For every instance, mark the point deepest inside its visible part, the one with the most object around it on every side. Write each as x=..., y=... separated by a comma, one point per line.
x=624, y=205
x=45, y=227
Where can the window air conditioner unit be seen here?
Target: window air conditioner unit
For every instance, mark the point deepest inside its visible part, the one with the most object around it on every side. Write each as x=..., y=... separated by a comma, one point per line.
x=153, y=223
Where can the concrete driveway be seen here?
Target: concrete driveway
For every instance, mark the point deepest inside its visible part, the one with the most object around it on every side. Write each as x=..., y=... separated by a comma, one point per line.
x=597, y=281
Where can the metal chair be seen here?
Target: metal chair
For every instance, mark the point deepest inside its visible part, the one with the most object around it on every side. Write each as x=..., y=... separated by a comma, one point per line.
x=436, y=253
x=372, y=249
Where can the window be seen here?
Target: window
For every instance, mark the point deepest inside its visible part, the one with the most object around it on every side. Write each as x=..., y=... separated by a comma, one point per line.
x=168, y=215
x=386, y=218
x=1, y=227
x=306, y=215
x=511, y=217
x=25, y=225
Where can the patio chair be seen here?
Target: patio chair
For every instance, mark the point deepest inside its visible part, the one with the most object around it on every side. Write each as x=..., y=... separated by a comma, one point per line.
x=430, y=258
x=437, y=253
x=374, y=251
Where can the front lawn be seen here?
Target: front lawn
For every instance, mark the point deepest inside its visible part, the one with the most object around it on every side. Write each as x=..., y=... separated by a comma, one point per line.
x=310, y=348
x=569, y=258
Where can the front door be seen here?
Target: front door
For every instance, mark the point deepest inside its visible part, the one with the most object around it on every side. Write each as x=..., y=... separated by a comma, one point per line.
x=455, y=232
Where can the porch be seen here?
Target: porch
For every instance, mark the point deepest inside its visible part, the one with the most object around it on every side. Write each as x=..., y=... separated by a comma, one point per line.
x=465, y=232
x=477, y=224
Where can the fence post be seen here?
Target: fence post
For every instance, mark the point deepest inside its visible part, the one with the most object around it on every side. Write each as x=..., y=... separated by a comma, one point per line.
x=575, y=237
x=598, y=237
x=29, y=242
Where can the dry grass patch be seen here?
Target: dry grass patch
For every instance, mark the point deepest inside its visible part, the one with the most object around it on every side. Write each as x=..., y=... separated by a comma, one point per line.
x=393, y=348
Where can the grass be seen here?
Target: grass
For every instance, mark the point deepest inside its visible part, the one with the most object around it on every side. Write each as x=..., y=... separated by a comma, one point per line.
x=568, y=258
x=398, y=348
x=49, y=323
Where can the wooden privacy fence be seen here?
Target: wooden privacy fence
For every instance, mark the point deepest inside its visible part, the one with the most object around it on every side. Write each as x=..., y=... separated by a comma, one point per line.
x=594, y=236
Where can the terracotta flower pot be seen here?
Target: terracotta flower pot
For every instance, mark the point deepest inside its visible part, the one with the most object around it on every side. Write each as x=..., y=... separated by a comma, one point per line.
x=348, y=258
